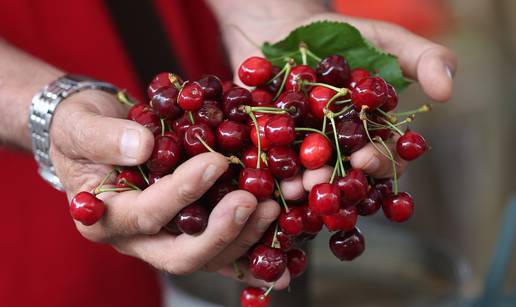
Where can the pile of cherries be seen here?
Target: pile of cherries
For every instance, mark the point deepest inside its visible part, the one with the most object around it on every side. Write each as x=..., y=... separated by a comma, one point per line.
x=288, y=119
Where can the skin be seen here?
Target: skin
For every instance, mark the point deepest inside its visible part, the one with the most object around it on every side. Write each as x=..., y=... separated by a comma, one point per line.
x=134, y=219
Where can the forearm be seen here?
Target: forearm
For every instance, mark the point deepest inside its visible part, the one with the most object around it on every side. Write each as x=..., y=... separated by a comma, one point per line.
x=21, y=76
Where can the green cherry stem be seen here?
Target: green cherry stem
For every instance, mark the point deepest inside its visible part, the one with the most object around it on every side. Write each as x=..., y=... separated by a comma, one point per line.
x=163, y=124
x=345, y=101
x=190, y=116
x=132, y=186
x=364, y=119
x=335, y=171
x=313, y=55
x=269, y=289
x=104, y=180
x=259, y=145
x=288, y=67
x=275, y=243
x=394, y=171
x=122, y=97
x=297, y=129
x=303, y=51
x=423, y=108
x=339, y=155
x=280, y=195
x=143, y=174
x=389, y=117
x=336, y=89
x=267, y=110
x=328, y=114
x=344, y=110
x=237, y=271
x=204, y=144
x=101, y=190
x=231, y=159
x=393, y=127
x=282, y=71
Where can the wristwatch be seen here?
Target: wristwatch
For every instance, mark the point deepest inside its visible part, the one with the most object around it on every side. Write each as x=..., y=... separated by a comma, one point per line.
x=44, y=104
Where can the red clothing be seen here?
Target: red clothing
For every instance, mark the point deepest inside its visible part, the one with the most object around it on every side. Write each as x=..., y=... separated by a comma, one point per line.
x=44, y=260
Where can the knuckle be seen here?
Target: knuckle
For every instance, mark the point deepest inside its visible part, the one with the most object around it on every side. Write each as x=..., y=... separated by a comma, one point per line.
x=187, y=193
x=220, y=243
x=244, y=244
x=145, y=223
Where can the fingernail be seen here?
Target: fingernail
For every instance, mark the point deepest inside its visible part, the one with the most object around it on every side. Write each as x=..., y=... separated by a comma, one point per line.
x=372, y=165
x=211, y=174
x=130, y=143
x=262, y=224
x=241, y=215
x=448, y=72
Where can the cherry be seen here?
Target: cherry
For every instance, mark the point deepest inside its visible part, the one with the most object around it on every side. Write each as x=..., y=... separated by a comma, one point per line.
x=312, y=222
x=283, y=162
x=318, y=99
x=192, y=219
x=353, y=187
x=285, y=241
x=267, y=263
x=315, y=151
x=231, y=173
x=153, y=178
x=273, y=85
x=292, y=222
x=191, y=96
x=392, y=99
x=356, y=75
x=181, y=124
x=209, y=113
x=227, y=85
x=297, y=75
x=211, y=87
x=296, y=262
x=233, y=100
x=324, y=199
x=265, y=142
x=351, y=135
x=398, y=207
x=254, y=297
x=257, y=181
x=370, y=92
x=232, y=136
x=149, y=120
x=261, y=98
x=165, y=155
x=250, y=156
x=370, y=204
x=172, y=228
x=191, y=142
x=86, y=208
x=343, y=220
x=411, y=145
x=218, y=191
x=295, y=103
x=281, y=130
x=136, y=110
x=161, y=81
x=384, y=186
x=333, y=70
x=164, y=103
x=131, y=176
x=255, y=71
x=347, y=245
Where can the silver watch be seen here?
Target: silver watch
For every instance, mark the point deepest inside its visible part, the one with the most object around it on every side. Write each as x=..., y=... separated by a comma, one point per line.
x=44, y=104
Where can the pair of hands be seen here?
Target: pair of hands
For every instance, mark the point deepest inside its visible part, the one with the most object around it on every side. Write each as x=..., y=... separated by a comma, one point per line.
x=90, y=133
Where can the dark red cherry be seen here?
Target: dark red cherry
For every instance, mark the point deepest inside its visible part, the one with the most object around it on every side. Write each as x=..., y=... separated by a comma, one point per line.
x=273, y=85
x=370, y=92
x=343, y=220
x=232, y=136
x=333, y=70
x=218, y=191
x=191, y=96
x=193, y=146
x=165, y=155
x=296, y=262
x=163, y=80
x=357, y=74
x=292, y=222
x=283, y=162
x=258, y=182
x=347, y=245
x=411, y=145
x=351, y=135
x=131, y=176
x=370, y=204
x=232, y=102
x=254, y=297
x=384, y=186
x=209, y=113
x=315, y=151
x=312, y=222
x=211, y=87
x=353, y=187
x=181, y=124
x=297, y=75
x=285, y=241
x=265, y=143
x=86, y=208
x=192, y=219
x=255, y=71
x=164, y=103
x=295, y=103
x=149, y=120
x=324, y=199
x=153, y=178
x=392, y=99
x=318, y=99
x=398, y=207
x=172, y=228
x=261, y=98
x=250, y=156
x=267, y=263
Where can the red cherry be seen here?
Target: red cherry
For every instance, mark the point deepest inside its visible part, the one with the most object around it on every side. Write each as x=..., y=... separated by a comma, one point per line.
x=255, y=71
x=297, y=75
x=384, y=186
x=392, y=99
x=356, y=75
x=265, y=143
x=136, y=110
x=351, y=135
x=210, y=114
x=232, y=136
x=370, y=92
x=227, y=85
x=153, y=178
x=312, y=222
x=353, y=187
x=370, y=204
x=398, y=207
x=333, y=70
x=172, y=228
x=233, y=100
x=86, y=208
x=165, y=155
x=324, y=199
x=254, y=297
x=191, y=96
x=285, y=241
x=191, y=142
x=283, y=162
x=250, y=156
x=130, y=176
x=218, y=191
x=411, y=145
x=318, y=99
x=181, y=124
x=162, y=80
x=296, y=262
x=164, y=103
x=267, y=263
x=261, y=98
x=292, y=222
x=347, y=245
x=211, y=87
x=281, y=130
x=315, y=151
x=192, y=219
x=344, y=220
x=257, y=181
x=149, y=120
x=273, y=85
x=295, y=103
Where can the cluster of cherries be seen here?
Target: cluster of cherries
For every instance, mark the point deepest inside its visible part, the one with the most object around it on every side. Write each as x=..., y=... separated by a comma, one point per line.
x=291, y=118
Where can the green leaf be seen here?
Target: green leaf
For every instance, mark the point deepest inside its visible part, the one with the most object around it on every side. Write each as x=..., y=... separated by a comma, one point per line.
x=326, y=38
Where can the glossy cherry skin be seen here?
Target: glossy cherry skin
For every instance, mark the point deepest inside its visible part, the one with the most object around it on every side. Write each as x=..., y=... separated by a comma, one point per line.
x=136, y=110
x=261, y=98
x=351, y=135
x=324, y=199
x=356, y=75
x=257, y=181
x=283, y=162
x=297, y=75
x=398, y=208
x=384, y=186
x=164, y=103
x=353, y=187
x=209, y=113
x=370, y=92
x=267, y=263
x=315, y=151
x=292, y=222
x=232, y=102
x=211, y=87
x=318, y=99
x=265, y=142
x=163, y=80
x=250, y=156
x=347, y=245
x=227, y=85
x=254, y=297
x=153, y=178
x=181, y=124
x=255, y=71
x=191, y=96
x=296, y=262
x=274, y=85
x=333, y=70
x=86, y=208
x=392, y=99
x=131, y=176
x=191, y=142
x=149, y=120
x=232, y=136
x=281, y=130
x=165, y=155
x=285, y=241
x=312, y=222
x=411, y=146
x=172, y=228
x=343, y=220
x=371, y=204
x=218, y=191
x=192, y=219
x=295, y=103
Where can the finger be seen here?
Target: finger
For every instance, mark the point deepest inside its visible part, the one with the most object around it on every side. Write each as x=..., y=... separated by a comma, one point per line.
x=316, y=176
x=292, y=188
x=372, y=162
x=266, y=213
x=247, y=277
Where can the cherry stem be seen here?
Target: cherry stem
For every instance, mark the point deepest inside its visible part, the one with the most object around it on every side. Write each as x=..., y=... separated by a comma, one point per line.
x=394, y=172
x=288, y=67
x=162, y=121
x=204, y=143
x=129, y=184
x=235, y=160
x=268, y=110
x=303, y=50
x=313, y=55
x=269, y=290
x=339, y=156
x=99, y=191
x=328, y=114
x=259, y=145
x=244, y=35
x=423, y=108
x=237, y=271
x=393, y=127
x=275, y=243
x=364, y=119
x=336, y=89
x=280, y=195
x=190, y=116
x=389, y=117
x=124, y=98
x=311, y=130
x=278, y=74
x=173, y=80
x=344, y=110
x=104, y=180
x=143, y=174
x=335, y=169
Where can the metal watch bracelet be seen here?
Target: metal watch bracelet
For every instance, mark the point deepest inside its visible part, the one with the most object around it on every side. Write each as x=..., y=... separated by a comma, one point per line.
x=42, y=109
